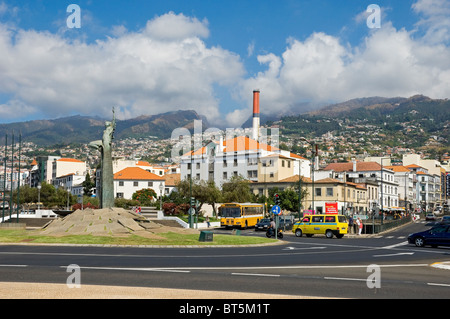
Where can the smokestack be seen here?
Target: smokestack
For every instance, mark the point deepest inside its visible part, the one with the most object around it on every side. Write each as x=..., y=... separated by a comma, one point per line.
x=256, y=120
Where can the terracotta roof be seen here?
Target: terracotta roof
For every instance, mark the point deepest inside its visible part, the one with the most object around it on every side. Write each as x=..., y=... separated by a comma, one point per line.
x=172, y=179
x=413, y=166
x=241, y=143
x=294, y=179
x=398, y=168
x=73, y=160
x=136, y=173
x=328, y=180
x=348, y=167
x=142, y=163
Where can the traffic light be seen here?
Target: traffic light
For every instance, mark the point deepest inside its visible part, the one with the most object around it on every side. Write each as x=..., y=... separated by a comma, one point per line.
x=193, y=202
x=277, y=199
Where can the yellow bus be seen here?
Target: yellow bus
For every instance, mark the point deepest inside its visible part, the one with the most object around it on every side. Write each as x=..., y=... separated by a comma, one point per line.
x=241, y=215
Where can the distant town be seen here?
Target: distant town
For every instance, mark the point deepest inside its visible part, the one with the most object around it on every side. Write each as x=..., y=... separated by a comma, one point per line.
x=336, y=172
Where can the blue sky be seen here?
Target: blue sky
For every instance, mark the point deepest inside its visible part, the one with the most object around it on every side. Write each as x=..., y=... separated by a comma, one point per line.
x=146, y=57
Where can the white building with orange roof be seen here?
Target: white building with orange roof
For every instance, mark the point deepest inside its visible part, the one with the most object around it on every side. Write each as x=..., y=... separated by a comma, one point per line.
x=241, y=156
x=132, y=179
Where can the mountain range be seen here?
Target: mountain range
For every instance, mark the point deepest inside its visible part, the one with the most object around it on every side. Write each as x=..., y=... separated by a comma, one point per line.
x=431, y=115
x=85, y=129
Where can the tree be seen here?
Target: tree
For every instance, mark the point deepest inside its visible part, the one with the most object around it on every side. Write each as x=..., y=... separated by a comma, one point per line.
x=237, y=189
x=145, y=196
x=204, y=192
x=88, y=185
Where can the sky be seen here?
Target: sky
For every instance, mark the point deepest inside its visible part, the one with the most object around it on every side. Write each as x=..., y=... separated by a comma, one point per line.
x=146, y=57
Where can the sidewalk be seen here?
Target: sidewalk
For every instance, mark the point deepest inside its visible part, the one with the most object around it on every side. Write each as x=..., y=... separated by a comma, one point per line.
x=12, y=290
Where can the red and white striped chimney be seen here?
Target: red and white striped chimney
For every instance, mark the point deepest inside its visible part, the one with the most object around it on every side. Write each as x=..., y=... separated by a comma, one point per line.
x=256, y=115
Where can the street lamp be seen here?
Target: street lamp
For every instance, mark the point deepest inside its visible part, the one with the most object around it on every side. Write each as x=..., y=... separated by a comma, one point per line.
x=161, y=187
x=39, y=196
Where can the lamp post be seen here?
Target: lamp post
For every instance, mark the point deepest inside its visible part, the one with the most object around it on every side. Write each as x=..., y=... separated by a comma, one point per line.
x=161, y=187
x=39, y=196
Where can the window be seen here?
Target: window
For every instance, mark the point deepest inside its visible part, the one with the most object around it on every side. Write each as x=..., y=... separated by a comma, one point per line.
x=329, y=219
x=318, y=191
x=225, y=175
x=317, y=219
x=224, y=163
x=198, y=165
x=119, y=195
x=305, y=220
x=135, y=184
x=120, y=183
x=150, y=184
x=329, y=191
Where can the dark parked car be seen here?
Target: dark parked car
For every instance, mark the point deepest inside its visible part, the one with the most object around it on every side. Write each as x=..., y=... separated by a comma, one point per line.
x=436, y=236
x=263, y=224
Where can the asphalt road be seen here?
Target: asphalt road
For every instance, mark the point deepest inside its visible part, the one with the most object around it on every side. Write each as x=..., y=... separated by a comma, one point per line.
x=369, y=267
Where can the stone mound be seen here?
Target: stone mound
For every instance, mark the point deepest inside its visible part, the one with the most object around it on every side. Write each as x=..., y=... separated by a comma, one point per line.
x=116, y=222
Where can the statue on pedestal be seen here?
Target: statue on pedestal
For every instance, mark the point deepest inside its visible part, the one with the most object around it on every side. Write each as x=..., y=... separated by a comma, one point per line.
x=106, y=191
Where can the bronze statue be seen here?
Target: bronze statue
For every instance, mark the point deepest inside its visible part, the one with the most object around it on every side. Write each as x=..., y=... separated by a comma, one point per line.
x=106, y=191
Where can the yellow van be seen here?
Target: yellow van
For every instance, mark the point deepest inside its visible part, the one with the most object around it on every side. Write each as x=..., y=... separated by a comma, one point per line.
x=321, y=224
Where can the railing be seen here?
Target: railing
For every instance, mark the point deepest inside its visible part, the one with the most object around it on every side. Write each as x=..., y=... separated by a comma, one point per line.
x=375, y=226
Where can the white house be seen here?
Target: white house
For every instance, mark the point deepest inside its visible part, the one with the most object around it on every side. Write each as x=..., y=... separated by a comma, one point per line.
x=239, y=156
x=131, y=179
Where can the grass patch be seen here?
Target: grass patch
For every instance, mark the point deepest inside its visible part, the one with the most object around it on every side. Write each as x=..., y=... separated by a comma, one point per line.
x=170, y=238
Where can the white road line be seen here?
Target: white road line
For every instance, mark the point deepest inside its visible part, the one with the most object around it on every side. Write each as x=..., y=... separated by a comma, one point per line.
x=349, y=279
x=258, y=275
x=135, y=269
x=395, y=245
x=13, y=265
x=441, y=285
x=390, y=255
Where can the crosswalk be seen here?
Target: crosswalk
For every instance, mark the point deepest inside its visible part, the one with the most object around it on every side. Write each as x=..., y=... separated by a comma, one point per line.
x=390, y=237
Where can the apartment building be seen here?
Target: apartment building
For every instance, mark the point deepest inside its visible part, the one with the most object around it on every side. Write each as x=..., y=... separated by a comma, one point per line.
x=241, y=156
x=378, y=180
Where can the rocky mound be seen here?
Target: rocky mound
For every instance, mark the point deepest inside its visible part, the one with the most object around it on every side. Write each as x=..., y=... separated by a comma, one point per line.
x=116, y=222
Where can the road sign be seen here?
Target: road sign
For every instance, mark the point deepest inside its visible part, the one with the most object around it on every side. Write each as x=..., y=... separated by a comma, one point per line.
x=276, y=210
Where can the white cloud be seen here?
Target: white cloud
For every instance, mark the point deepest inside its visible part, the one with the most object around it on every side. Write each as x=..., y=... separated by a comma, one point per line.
x=174, y=27
x=321, y=69
x=164, y=67
x=435, y=19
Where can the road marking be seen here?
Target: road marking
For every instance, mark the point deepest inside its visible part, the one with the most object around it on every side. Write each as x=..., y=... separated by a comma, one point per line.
x=295, y=248
x=395, y=245
x=441, y=265
x=258, y=275
x=135, y=269
x=441, y=285
x=391, y=255
x=349, y=279
x=13, y=265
